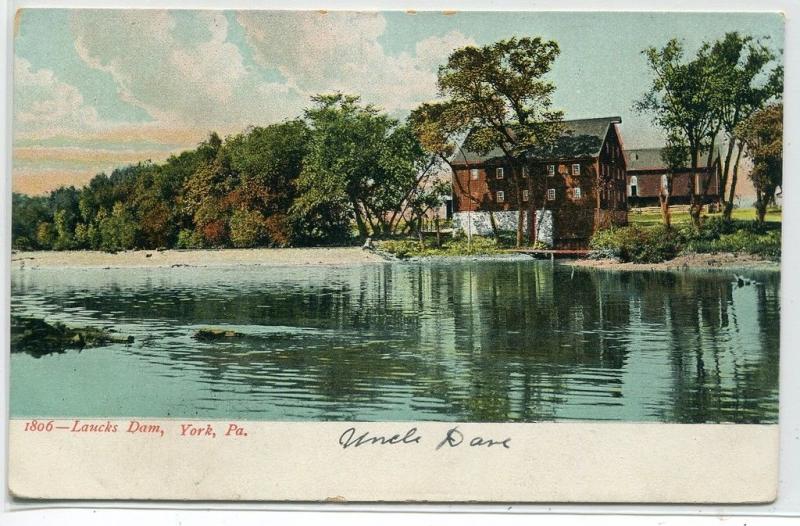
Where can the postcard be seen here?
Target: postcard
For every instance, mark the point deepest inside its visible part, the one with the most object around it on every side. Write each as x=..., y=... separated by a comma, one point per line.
x=396, y=256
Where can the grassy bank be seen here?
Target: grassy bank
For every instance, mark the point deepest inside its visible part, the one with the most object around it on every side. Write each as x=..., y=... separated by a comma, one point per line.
x=654, y=243
x=651, y=217
x=412, y=248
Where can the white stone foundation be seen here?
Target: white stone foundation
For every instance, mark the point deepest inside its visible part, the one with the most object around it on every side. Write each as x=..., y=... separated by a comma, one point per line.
x=506, y=222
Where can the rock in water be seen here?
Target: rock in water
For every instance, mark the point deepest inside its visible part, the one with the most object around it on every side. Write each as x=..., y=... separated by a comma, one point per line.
x=37, y=337
x=212, y=334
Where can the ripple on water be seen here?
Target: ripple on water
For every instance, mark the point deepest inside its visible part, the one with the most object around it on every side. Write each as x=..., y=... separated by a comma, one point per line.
x=487, y=341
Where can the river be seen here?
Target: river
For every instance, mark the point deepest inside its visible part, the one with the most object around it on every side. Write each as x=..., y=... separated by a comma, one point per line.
x=481, y=341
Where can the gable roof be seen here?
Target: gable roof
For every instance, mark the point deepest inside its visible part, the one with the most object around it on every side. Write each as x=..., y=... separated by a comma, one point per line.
x=581, y=138
x=650, y=159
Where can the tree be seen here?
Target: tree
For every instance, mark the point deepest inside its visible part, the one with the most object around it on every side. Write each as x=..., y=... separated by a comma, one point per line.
x=119, y=230
x=361, y=164
x=744, y=86
x=247, y=228
x=267, y=162
x=437, y=127
x=27, y=213
x=674, y=155
x=762, y=133
x=497, y=93
x=683, y=101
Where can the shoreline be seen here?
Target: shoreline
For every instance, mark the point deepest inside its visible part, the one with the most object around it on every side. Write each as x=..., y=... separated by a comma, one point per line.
x=200, y=258
x=719, y=261
x=341, y=256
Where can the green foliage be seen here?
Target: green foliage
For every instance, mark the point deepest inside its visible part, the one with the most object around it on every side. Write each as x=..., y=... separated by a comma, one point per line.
x=247, y=228
x=638, y=245
x=641, y=244
x=408, y=248
x=300, y=182
x=763, y=134
x=189, y=239
x=362, y=165
x=45, y=235
x=119, y=230
x=766, y=245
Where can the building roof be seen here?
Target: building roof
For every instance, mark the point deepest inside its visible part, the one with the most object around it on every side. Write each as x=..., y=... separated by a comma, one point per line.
x=582, y=138
x=650, y=159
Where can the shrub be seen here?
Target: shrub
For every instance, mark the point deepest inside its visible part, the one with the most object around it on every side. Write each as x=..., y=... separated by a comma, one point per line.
x=407, y=248
x=638, y=245
x=247, y=228
x=278, y=230
x=22, y=243
x=189, y=239
x=45, y=235
x=766, y=245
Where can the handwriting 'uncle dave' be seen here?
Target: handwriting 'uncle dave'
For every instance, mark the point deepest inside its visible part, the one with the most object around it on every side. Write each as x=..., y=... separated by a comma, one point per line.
x=453, y=438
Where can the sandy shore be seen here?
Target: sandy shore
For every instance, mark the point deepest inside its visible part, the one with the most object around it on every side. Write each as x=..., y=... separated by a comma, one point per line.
x=193, y=258
x=692, y=261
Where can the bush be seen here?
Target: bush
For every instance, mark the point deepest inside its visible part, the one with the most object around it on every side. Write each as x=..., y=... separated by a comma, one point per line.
x=22, y=243
x=766, y=245
x=189, y=239
x=408, y=248
x=638, y=245
x=247, y=228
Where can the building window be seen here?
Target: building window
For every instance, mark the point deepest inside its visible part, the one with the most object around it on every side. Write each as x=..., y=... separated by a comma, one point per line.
x=473, y=174
x=551, y=194
x=499, y=173
x=524, y=195
x=576, y=193
x=551, y=170
x=501, y=196
x=633, y=188
x=524, y=171
x=576, y=169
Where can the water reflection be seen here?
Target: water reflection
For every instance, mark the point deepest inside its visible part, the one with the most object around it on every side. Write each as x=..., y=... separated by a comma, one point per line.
x=477, y=341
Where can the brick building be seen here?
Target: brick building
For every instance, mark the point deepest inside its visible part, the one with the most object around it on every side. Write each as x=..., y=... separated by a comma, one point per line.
x=576, y=187
x=647, y=172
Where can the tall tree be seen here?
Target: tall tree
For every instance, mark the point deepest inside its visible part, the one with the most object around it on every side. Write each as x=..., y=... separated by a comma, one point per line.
x=361, y=163
x=762, y=133
x=674, y=155
x=438, y=126
x=745, y=85
x=499, y=95
x=682, y=101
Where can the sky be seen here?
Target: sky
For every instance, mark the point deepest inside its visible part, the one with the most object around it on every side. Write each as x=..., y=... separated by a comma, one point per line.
x=96, y=89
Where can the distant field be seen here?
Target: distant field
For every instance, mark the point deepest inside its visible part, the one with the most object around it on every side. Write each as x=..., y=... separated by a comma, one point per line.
x=651, y=217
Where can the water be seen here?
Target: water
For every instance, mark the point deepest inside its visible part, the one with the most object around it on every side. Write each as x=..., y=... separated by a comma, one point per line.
x=517, y=341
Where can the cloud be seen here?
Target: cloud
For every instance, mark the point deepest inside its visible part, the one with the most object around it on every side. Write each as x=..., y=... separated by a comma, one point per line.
x=340, y=51
x=45, y=106
x=191, y=72
x=197, y=78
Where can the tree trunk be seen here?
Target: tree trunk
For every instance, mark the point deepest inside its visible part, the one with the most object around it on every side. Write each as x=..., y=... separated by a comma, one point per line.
x=515, y=174
x=726, y=169
x=438, y=232
x=696, y=205
x=663, y=201
x=362, y=228
x=531, y=211
x=732, y=192
x=761, y=206
x=493, y=222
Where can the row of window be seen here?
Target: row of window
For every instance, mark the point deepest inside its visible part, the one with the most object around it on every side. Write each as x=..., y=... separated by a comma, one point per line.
x=551, y=194
x=551, y=171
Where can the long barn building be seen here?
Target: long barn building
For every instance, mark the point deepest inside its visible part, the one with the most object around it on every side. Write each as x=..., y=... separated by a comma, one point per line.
x=647, y=176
